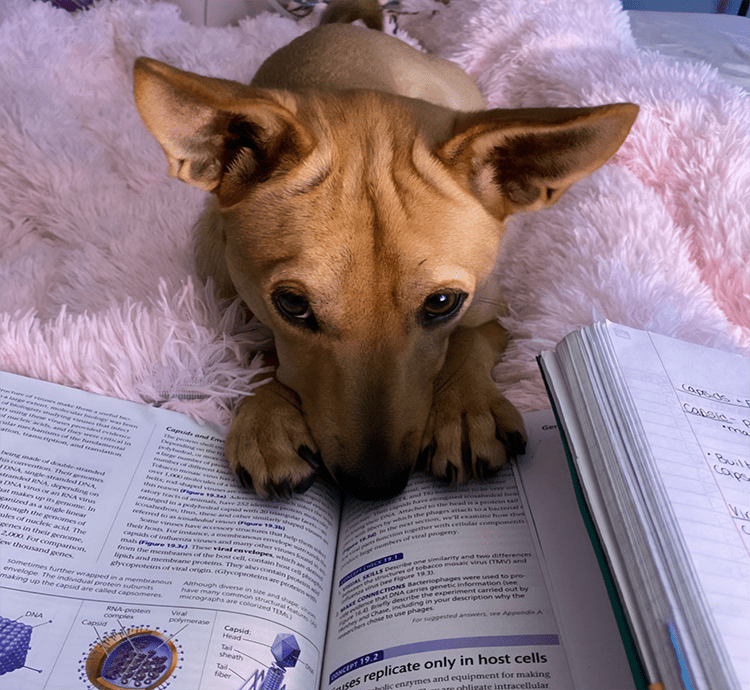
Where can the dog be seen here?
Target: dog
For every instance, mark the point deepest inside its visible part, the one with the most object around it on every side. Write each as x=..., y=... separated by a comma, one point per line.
x=359, y=193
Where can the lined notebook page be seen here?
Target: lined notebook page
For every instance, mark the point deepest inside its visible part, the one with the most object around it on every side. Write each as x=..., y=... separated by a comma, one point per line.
x=694, y=405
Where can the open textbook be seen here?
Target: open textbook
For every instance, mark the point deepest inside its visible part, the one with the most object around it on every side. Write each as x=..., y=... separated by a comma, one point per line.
x=659, y=431
x=130, y=557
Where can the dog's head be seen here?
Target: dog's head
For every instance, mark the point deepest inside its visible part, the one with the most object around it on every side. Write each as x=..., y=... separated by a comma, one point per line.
x=361, y=241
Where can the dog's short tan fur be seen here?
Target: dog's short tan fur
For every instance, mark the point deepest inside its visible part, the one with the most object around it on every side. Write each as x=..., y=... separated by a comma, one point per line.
x=359, y=194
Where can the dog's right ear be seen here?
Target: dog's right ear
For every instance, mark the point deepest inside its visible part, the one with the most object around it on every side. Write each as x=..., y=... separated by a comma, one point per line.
x=217, y=135
x=523, y=160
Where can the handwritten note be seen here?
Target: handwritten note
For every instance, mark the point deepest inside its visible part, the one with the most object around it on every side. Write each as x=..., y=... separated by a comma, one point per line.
x=695, y=410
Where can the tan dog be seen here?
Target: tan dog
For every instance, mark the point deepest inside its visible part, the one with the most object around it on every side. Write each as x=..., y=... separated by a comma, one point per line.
x=359, y=198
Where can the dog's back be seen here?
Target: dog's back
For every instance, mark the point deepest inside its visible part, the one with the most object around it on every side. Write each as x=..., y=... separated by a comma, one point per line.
x=369, y=12
x=340, y=56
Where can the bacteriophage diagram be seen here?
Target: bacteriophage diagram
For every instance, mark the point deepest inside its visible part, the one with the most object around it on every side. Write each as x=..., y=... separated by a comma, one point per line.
x=285, y=651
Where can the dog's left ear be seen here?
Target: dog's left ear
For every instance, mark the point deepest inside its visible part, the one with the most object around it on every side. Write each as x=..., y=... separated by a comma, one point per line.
x=523, y=160
x=218, y=135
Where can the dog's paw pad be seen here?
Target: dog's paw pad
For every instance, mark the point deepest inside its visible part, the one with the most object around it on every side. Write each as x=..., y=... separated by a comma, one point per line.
x=470, y=435
x=485, y=469
x=269, y=446
x=277, y=479
x=286, y=489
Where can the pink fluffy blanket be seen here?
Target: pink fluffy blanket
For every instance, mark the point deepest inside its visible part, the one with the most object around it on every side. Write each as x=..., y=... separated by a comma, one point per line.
x=96, y=278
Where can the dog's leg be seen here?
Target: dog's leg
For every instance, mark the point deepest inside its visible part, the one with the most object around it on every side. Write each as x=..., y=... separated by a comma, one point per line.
x=472, y=429
x=511, y=161
x=269, y=445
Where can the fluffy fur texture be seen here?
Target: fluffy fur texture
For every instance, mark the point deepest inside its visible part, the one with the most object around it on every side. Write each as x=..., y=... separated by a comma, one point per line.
x=97, y=286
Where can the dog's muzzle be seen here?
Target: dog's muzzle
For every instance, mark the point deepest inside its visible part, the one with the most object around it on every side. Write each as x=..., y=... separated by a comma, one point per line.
x=375, y=470
x=373, y=487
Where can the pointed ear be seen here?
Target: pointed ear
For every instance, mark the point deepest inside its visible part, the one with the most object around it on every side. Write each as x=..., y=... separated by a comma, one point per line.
x=523, y=160
x=217, y=135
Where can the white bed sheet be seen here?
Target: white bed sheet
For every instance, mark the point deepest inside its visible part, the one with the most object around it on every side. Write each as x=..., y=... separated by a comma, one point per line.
x=722, y=40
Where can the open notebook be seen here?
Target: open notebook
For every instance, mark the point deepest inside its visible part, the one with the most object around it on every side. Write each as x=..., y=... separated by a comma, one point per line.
x=659, y=430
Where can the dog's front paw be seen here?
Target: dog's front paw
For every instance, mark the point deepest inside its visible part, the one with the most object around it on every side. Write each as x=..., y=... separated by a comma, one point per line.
x=472, y=430
x=269, y=445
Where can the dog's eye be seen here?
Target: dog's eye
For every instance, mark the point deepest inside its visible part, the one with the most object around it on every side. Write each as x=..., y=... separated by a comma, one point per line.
x=294, y=308
x=441, y=306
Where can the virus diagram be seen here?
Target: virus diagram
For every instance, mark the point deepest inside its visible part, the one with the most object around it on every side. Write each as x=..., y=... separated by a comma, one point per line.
x=136, y=657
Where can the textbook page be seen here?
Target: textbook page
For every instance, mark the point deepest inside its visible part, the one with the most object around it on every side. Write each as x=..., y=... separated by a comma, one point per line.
x=130, y=556
x=694, y=406
x=494, y=585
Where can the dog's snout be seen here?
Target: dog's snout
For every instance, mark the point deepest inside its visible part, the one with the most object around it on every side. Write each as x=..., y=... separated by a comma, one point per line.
x=373, y=485
x=376, y=468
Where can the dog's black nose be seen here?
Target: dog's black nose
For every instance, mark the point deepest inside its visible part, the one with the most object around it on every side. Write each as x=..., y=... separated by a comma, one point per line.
x=372, y=486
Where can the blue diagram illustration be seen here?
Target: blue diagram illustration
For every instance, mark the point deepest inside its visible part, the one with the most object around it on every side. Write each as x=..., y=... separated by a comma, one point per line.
x=137, y=657
x=285, y=651
x=15, y=642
